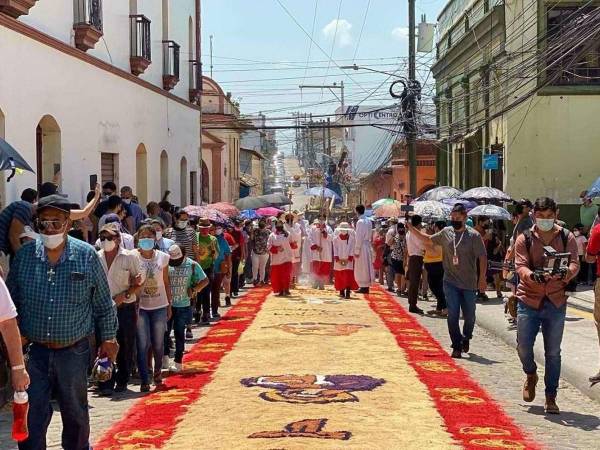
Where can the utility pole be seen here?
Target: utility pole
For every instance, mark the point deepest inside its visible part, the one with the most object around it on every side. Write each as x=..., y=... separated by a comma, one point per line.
x=411, y=136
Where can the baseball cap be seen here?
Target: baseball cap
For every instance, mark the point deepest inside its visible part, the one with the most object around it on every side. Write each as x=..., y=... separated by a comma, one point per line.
x=175, y=252
x=112, y=228
x=54, y=201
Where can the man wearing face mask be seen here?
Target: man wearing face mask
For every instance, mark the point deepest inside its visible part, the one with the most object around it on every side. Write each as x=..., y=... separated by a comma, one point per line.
x=320, y=242
x=135, y=214
x=62, y=298
x=462, y=248
x=184, y=235
x=343, y=257
x=122, y=269
x=542, y=298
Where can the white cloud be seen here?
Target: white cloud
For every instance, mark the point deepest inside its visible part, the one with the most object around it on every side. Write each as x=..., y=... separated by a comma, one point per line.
x=400, y=33
x=343, y=37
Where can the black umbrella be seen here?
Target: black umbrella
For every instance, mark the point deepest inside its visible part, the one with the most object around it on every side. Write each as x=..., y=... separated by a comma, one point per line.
x=439, y=193
x=276, y=199
x=11, y=160
x=251, y=203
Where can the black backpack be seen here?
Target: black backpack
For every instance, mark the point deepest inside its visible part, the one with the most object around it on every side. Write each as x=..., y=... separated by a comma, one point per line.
x=571, y=286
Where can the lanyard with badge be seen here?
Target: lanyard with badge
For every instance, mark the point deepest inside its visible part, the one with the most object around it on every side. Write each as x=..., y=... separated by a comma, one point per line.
x=456, y=244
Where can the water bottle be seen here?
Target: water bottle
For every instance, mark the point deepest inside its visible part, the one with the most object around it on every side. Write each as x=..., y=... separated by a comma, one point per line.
x=20, y=410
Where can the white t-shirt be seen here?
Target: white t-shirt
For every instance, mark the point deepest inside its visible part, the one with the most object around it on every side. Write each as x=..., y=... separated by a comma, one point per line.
x=7, y=307
x=414, y=246
x=581, y=244
x=153, y=294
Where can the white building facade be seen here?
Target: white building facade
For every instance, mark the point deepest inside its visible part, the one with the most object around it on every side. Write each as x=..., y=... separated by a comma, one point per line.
x=102, y=88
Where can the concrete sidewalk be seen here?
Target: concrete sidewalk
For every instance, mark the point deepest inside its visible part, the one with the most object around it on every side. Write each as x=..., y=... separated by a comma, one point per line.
x=580, y=350
x=583, y=299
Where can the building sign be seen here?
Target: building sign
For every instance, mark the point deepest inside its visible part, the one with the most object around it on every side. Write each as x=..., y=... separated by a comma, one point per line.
x=389, y=113
x=491, y=161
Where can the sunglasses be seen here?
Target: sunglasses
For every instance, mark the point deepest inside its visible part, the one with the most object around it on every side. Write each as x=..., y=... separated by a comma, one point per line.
x=106, y=238
x=51, y=225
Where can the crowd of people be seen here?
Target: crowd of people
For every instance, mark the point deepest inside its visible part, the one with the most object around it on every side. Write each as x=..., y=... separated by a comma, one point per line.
x=117, y=281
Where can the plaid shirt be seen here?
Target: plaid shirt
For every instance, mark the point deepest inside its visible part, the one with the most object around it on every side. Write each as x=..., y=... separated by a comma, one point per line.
x=64, y=303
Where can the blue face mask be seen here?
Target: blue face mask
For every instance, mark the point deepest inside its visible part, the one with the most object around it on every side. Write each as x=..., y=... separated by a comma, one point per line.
x=146, y=244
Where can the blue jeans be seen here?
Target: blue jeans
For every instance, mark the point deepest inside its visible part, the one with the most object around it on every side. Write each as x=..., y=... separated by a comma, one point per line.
x=552, y=322
x=457, y=299
x=65, y=373
x=151, y=327
x=181, y=317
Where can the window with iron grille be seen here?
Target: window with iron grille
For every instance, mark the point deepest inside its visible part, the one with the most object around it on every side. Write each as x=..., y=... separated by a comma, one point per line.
x=141, y=45
x=573, y=58
x=88, y=12
x=171, y=58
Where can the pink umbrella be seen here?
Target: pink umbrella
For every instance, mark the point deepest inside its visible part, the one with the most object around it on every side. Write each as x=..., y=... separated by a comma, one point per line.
x=388, y=210
x=269, y=211
x=208, y=213
x=226, y=208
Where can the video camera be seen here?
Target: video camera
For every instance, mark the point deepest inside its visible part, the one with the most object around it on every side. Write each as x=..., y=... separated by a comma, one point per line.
x=555, y=263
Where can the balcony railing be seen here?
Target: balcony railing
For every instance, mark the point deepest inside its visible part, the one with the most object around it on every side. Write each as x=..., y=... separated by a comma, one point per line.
x=195, y=87
x=88, y=24
x=170, y=64
x=141, y=44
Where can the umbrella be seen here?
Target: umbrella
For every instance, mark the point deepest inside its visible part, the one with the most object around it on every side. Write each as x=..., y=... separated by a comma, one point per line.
x=594, y=190
x=11, y=160
x=440, y=193
x=226, y=208
x=269, y=211
x=275, y=200
x=485, y=193
x=249, y=214
x=388, y=210
x=322, y=192
x=208, y=213
x=468, y=204
x=491, y=211
x=384, y=201
x=251, y=203
x=430, y=209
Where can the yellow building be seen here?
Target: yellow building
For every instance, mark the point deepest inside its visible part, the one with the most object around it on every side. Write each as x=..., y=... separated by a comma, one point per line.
x=516, y=80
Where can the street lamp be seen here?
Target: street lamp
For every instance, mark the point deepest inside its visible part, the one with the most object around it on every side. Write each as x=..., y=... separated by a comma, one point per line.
x=356, y=67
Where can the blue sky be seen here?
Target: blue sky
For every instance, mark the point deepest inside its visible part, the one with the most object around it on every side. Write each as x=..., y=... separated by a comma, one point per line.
x=261, y=55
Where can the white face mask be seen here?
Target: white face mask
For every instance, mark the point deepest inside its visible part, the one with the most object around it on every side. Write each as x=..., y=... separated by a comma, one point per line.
x=52, y=241
x=127, y=201
x=108, y=246
x=544, y=224
x=182, y=224
x=158, y=235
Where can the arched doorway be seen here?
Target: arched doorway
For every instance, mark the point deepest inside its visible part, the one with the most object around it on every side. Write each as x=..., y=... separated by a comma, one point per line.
x=183, y=176
x=48, y=150
x=164, y=173
x=141, y=175
x=205, y=193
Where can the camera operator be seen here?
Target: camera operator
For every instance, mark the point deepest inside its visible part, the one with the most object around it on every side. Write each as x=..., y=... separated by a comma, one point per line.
x=542, y=298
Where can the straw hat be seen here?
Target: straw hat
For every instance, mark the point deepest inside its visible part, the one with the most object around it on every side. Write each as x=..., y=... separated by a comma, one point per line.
x=344, y=226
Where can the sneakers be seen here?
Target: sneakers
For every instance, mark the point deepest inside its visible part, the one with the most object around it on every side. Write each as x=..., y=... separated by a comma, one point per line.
x=529, y=387
x=176, y=367
x=550, y=406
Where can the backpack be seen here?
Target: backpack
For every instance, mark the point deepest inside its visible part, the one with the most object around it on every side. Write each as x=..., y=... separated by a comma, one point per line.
x=571, y=286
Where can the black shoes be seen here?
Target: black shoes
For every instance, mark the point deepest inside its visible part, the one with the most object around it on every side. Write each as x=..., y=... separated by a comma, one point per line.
x=363, y=290
x=347, y=293
x=416, y=310
x=465, y=346
x=456, y=354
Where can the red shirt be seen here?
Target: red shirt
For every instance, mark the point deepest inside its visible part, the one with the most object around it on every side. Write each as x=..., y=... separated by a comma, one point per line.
x=593, y=247
x=238, y=238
